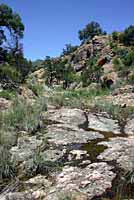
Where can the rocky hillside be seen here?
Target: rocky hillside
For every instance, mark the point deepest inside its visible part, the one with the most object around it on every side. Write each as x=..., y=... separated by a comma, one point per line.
x=73, y=144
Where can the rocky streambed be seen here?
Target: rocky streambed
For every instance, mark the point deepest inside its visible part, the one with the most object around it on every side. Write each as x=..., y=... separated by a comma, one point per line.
x=77, y=155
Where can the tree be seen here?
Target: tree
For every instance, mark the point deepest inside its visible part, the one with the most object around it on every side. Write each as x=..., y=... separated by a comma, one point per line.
x=127, y=37
x=49, y=67
x=115, y=36
x=11, y=22
x=69, y=49
x=90, y=31
x=11, y=50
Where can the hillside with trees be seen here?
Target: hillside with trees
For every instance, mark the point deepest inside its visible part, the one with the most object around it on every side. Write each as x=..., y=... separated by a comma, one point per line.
x=67, y=122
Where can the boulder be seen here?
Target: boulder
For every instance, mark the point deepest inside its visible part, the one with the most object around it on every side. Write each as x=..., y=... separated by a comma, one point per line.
x=102, y=61
x=121, y=150
x=110, y=79
x=103, y=124
x=4, y=104
x=108, y=68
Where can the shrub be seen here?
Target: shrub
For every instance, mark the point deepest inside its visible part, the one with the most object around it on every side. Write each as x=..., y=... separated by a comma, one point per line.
x=131, y=79
x=118, y=65
x=8, y=72
x=24, y=116
x=7, y=167
x=127, y=37
x=7, y=94
x=129, y=59
x=69, y=49
x=115, y=35
x=92, y=73
x=38, y=165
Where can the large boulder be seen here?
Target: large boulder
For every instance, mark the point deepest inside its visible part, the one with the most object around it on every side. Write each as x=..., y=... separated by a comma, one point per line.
x=110, y=79
x=120, y=150
x=4, y=104
x=103, y=124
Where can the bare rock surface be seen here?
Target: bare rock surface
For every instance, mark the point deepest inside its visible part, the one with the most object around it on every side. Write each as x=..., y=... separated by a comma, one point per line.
x=129, y=128
x=4, y=104
x=120, y=150
x=103, y=124
x=90, y=181
x=25, y=148
x=63, y=135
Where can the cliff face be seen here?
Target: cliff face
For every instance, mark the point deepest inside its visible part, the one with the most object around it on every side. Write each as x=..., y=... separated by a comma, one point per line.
x=99, y=45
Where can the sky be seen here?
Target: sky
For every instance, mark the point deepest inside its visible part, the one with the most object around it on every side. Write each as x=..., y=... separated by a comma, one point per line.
x=50, y=24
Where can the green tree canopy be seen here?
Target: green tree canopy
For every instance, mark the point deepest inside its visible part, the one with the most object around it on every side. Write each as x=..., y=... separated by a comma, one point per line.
x=127, y=37
x=90, y=31
x=11, y=21
x=69, y=49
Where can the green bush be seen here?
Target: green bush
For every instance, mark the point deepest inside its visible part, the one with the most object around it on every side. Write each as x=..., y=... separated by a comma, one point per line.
x=92, y=73
x=69, y=49
x=131, y=79
x=127, y=37
x=9, y=72
x=23, y=116
x=115, y=35
x=7, y=167
x=38, y=165
x=7, y=94
x=129, y=59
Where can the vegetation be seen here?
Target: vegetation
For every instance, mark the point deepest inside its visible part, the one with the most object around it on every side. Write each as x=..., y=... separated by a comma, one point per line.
x=127, y=37
x=80, y=98
x=92, y=73
x=11, y=51
x=39, y=165
x=69, y=49
x=27, y=116
x=58, y=70
x=92, y=29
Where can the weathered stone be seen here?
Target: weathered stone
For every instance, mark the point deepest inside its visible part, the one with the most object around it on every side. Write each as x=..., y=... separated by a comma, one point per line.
x=90, y=181
x=73, y=117
x=26, y=93
x=25, y=148
x=77, y=154
x=62, y=134
x=110, y=79
x=121, y=150
x=107, y=68
x=4, y=104
x=101, y=61
x=120, y=99
x=103, y=124
x=129, y=128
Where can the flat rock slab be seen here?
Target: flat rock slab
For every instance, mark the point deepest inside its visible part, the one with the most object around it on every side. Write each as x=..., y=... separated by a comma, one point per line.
x=103, y=124
x=89, y=182
x=67, y=116
x=129, y=128
x=25, y=148
x=121, y=150
x=61, y=134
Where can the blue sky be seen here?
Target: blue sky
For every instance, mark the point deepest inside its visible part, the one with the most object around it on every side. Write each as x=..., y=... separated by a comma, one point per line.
x=50, y=24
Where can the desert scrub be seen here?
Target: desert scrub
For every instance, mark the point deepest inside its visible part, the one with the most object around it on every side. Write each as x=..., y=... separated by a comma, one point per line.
x=125, y=185
x=23, y=115
x=117, y=112
x=7, y=167
x=34, y=85
x=75, y=98
x=8, y=94
x=39, y=165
